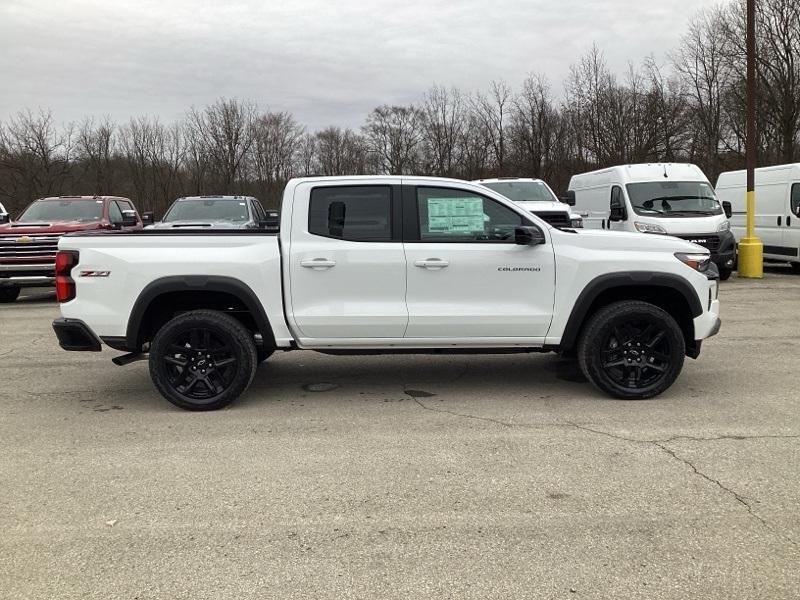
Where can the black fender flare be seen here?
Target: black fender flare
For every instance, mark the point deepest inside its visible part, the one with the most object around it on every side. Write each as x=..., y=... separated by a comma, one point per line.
x=196, y=283
x=603, y=283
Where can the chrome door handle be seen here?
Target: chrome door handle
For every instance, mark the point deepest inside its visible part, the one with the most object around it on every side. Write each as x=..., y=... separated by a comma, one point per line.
x=318, y=263
x=431, y=263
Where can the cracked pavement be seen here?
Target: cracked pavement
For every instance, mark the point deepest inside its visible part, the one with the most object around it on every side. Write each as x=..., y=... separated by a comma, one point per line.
x=496, y=476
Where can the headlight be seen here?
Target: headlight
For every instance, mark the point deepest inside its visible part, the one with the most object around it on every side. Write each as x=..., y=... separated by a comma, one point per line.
x=724, y=226
x=698, y=261
x=648, y=227
x=576, y=222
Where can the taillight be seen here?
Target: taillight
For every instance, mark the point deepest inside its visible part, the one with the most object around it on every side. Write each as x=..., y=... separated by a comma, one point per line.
x=65, y=284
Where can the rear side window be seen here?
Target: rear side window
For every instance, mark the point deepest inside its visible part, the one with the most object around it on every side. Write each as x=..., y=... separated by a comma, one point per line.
x=355, y=213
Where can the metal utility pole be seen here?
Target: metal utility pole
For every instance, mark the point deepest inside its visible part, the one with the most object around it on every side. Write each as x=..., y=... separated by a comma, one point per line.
x=751, y=251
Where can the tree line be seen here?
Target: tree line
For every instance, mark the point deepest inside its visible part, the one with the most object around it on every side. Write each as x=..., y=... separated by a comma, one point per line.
x=691, y=109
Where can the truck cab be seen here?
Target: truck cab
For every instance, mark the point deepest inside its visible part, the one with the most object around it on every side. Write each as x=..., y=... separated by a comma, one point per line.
x=534, y=195
x=28, y=244
x=657, y=198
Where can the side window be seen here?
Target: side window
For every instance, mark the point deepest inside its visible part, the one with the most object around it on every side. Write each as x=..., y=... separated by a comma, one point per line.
x=447, y=215
x=794, y=203
x=114, y=213
x=356, y=213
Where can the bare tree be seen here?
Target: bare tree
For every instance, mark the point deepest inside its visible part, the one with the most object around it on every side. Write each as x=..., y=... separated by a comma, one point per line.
x=492, y=114
x=393, y=136
x=443, y=120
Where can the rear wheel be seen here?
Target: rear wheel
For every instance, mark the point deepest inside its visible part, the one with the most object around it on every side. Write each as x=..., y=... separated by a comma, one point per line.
x=202, y=360
x=631, y=350
x=9, y=294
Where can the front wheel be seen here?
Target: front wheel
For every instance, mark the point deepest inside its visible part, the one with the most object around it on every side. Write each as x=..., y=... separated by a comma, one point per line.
x=9, y=294
x=631, y=350
x=725, y=274
x=202, y=360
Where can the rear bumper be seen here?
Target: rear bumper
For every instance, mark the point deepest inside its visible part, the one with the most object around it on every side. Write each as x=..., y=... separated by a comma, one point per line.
x=75, y=335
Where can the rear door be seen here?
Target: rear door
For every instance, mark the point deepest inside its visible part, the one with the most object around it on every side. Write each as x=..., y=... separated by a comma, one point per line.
x=466, y=276
x=791, y=233
x=347, y=268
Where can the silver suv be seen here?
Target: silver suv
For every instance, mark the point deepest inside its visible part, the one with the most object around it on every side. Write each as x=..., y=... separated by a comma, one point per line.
x=215, y=212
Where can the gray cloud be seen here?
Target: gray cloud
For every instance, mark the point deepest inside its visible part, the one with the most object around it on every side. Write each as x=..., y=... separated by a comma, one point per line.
x=328, y=62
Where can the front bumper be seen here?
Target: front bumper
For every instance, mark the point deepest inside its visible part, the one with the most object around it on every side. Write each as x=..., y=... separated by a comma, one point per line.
x=725, y=255
x=26, y=275
x=75, y=335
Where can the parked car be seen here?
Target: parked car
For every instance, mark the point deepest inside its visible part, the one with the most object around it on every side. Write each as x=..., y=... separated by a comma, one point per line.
x=386, y=264
x=777, y=209
x=535, y=196
x=657, y=198
x=221, y=212
x=28, y=245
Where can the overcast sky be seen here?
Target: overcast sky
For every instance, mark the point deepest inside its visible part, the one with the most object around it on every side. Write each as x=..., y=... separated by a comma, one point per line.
x=326, y=61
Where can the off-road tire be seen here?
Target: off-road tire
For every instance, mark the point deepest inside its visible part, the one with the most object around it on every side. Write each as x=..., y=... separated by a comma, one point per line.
x=621, y=333
x=182, y=373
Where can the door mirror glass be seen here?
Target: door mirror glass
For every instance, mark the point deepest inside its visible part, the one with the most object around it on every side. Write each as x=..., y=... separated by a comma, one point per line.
x=528, y=235
x=726, y=206
x=148, y=218
x=569, y=198
x=617, y=207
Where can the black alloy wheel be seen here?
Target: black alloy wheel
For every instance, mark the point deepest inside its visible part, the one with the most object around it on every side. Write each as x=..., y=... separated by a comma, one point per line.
x=202, y=360
x=631, y=350
x=636, y=354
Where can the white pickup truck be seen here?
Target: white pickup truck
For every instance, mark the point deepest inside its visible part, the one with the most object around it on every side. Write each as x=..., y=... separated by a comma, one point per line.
x=386, y=264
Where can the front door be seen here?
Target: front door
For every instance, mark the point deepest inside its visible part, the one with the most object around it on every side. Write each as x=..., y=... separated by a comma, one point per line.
x=347, y=273
x=466, y=276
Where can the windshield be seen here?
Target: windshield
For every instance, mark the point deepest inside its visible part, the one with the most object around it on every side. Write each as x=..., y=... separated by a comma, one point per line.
x=207, y=209
x=523, y=191
x=673, y=198
x=47, y=211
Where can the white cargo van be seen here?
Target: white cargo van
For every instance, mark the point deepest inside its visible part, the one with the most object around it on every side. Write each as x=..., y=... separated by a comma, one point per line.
x=535, y=196
x=777, y=218
x=657, y=198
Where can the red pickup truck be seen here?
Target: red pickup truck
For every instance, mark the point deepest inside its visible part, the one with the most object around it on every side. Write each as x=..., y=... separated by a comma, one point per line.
x=28, y=245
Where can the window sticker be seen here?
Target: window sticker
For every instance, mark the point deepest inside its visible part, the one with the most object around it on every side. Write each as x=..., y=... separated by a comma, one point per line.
x=455, y=215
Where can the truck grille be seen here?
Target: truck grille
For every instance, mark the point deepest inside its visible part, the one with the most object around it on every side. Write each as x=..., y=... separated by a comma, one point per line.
x=554, y=218
x=34, y=248
x=710, y=241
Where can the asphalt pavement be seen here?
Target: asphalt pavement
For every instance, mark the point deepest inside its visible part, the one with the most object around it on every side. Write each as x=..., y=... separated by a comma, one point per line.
x=497, y=476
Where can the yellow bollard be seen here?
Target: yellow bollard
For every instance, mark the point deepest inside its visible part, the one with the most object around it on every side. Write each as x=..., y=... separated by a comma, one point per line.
x=751, y=250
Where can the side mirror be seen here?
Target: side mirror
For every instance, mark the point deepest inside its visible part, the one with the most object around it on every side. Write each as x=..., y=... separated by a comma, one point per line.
x=129, y=218
x=528, y=235
x=569, y=199
x=726, y=206
x=271, y=222
x=4, y=218
x=148, y=218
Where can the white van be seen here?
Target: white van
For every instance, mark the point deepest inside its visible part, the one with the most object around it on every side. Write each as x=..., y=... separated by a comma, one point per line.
x=663, y=198
x=535, y=196
x=777, y=218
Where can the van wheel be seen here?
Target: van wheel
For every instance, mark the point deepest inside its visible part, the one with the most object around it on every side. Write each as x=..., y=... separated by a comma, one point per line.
x=795, y=267
x=725, y=274
x=9, y=294
x=631, y=350
x=202, y=360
